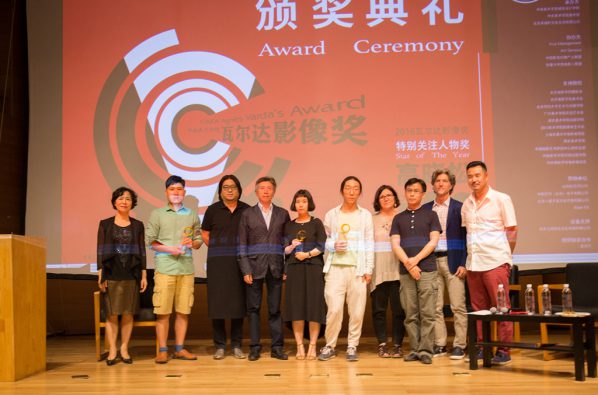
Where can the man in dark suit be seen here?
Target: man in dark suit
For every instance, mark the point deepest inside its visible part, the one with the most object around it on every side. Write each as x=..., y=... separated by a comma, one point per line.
x=261, y=259
x=451, y=254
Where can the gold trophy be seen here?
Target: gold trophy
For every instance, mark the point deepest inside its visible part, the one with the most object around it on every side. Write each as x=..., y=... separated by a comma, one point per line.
x=301, y=236
x=344, y=230
x=187, y=232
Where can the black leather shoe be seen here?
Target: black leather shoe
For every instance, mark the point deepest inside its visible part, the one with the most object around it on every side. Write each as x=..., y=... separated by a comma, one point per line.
x=125, y=360
x=411, y=357
x=426, y=359
x=278, y=354
x=254, y=355
x=111, y=362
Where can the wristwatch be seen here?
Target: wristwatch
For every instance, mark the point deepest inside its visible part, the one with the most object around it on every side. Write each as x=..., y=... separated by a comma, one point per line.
x=309, y=254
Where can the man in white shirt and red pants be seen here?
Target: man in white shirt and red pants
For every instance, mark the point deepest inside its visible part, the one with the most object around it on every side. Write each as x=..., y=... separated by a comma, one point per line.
x=489, y=217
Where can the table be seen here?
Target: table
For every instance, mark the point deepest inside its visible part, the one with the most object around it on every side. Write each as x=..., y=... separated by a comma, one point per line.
x=581, y=325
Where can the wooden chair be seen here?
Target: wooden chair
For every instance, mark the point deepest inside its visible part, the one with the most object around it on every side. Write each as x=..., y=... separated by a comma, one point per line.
x=582, y=278
x=145, y=318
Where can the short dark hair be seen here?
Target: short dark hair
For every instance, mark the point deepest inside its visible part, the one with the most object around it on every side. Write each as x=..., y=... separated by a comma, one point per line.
x=235, y=180
x=449, y=174
x=349, y=178
x=269, y=179
x=377, y=206
x=311, y=206
x=174, y=180
x=118, y=192
x=414, y=180
x=476, y=163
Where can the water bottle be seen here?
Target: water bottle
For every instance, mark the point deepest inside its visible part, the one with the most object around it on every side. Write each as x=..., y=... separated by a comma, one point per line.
x=567, y=300
x=546, y=304
x=501, y=300
x=530, y=300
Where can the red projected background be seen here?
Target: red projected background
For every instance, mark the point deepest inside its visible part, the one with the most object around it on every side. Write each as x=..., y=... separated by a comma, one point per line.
x=308, y=92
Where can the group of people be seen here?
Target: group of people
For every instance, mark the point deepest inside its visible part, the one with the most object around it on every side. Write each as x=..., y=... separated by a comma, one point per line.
x=405, y=257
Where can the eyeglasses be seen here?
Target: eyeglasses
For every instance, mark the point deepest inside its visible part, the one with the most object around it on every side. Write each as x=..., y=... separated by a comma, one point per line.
x=229, y=187
x=382, y=197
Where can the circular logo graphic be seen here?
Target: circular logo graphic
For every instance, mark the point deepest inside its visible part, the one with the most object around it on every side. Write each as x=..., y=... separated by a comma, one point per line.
x=143, y=124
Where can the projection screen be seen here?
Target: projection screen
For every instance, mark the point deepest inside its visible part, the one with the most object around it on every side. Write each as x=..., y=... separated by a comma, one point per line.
x=128, y=92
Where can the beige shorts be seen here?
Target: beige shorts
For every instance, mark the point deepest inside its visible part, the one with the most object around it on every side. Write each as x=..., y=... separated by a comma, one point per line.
x=169, y=289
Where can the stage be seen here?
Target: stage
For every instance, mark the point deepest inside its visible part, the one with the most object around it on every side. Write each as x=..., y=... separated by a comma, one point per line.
x=71, y=368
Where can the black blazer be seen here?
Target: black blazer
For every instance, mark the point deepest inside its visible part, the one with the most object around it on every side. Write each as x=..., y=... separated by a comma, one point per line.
x=107, y=252
x=260, y=247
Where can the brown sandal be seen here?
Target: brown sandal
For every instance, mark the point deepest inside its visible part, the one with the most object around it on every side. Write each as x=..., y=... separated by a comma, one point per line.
x=383, y=351
x=396, y=352
x=312, y=352
x=300, y=352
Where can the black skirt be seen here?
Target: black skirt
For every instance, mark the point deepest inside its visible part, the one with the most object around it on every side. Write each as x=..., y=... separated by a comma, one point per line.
x=304, y=293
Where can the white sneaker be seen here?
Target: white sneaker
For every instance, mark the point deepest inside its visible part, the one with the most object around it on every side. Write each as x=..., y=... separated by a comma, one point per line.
x=352, y=354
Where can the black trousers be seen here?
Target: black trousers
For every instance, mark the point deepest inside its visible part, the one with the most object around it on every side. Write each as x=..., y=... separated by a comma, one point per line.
x=236, y=332
x=385, y=292
x=254, y=303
